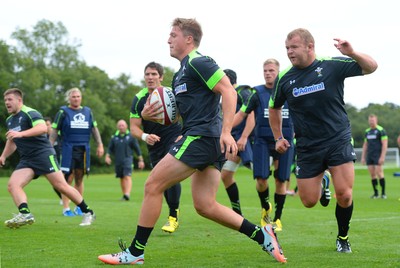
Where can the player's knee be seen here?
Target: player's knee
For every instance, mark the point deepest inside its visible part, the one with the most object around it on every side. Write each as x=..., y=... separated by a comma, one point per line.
x=308, y=203
x=344, y=198
x=308, y=200
x=202, y=210
x=230, y=166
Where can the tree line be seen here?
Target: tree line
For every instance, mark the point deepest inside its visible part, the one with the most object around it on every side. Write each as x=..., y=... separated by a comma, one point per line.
x=45, y=63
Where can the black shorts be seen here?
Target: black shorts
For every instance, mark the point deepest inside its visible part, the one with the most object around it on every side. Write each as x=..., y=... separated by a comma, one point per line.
x=41, y=165
x=312, y=162
x=199, y=152
x=156, y=154
x=373, y=159
x=78, y=157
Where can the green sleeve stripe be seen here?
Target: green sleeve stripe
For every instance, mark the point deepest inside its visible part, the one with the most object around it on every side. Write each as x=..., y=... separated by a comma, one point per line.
x=37, y=122
x=57, y=120
x=271, y=102
x=214, y=79
x=140, y=95
x=132, y=115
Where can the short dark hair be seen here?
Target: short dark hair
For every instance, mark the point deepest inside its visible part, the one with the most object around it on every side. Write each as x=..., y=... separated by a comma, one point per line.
x=231, y=74
x=155, y=65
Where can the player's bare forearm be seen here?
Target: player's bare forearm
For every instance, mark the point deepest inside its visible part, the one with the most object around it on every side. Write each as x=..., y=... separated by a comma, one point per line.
x=96, y=136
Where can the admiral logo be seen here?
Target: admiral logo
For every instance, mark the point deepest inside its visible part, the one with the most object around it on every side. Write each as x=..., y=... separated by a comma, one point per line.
x=297, y=92
x=181, y=88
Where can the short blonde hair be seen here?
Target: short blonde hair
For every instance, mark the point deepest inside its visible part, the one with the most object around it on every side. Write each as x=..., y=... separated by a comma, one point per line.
x=189, y=27
x=16, y=91
x=304, y=35
x=70, y=91
x=272, y=61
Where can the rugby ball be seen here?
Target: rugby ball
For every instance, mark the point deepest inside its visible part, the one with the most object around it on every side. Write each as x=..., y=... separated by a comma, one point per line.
x=165, y=96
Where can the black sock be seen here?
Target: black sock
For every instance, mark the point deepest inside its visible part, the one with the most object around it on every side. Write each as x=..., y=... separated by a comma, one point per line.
x=84, y=208
x=23, y=208
x=375, y=186
x=279, y=203
x=172, y=196
x=233, y=194
x=140, y=240
x=57, y=192
x=252, y=231
x=382, y=183
x=264, y=198
x=343, y=217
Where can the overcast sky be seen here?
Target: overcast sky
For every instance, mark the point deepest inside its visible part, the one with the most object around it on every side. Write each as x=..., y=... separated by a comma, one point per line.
x=122, y=36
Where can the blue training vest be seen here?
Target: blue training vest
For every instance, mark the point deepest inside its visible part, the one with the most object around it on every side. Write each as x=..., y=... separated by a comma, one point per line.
x=263, y=128
x=75, y=131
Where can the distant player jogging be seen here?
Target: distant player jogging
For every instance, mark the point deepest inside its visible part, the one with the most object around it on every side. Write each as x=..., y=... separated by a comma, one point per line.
x=27, y=135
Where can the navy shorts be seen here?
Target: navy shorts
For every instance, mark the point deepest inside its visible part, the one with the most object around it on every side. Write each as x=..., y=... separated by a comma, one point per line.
x=314, y=161
x=123, y=170
x=199, y=152
x=41, y=165
x=263, y=149
x=246, y=156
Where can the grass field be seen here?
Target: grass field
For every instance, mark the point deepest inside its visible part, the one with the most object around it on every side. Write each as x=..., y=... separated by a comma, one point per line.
x=308, y=236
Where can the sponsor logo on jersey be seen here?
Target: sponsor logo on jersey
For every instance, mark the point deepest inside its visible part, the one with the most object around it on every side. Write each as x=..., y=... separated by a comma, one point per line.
x=300, y=91
x=181, y=88
x=79, y=121
x=285, y=113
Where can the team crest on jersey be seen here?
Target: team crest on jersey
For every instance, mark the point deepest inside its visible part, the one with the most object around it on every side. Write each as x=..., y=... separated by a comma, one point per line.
x=79, y=121
x=319, y=71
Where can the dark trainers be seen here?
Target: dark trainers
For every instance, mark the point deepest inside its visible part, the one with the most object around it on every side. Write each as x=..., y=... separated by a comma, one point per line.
x=326, y=193
x=343, y=245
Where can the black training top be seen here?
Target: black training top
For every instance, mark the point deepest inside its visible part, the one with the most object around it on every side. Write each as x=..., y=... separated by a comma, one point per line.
x=198, y=105
x=29, y=147
x=315, y=98
x=374, y=138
